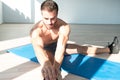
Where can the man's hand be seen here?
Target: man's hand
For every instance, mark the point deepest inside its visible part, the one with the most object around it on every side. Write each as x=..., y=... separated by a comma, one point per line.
x=48, y=71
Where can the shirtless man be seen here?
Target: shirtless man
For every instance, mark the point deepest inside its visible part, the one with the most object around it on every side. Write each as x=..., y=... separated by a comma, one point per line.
x=49, y=38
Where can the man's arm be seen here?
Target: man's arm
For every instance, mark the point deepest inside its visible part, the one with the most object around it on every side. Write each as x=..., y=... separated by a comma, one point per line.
x=47, y=68
x=61, y=45
x=38, y=45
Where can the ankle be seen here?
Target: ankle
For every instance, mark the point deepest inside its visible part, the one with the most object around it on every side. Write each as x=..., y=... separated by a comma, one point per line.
x=108, y=50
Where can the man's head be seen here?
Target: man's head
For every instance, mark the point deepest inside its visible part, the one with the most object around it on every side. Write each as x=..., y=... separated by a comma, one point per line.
x=49, y=5
x=49, y=10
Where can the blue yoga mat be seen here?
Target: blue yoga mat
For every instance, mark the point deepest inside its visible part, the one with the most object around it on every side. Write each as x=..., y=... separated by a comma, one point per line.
x=88, y=67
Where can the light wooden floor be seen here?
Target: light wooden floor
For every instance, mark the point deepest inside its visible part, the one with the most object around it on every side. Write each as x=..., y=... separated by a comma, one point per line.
x=13, y=67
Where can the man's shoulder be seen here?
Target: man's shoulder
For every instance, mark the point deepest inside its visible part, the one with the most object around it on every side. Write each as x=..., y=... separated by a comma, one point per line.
x=38, y=24
x=36, y=28
x=61, y=22
x=64, y=27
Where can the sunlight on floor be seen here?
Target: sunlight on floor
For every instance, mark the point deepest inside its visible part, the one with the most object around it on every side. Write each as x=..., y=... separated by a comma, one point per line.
x=7, y=44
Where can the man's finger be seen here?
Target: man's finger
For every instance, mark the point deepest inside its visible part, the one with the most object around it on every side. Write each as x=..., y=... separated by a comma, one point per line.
x=50, y=75
x=54, y=74
x=45, y=74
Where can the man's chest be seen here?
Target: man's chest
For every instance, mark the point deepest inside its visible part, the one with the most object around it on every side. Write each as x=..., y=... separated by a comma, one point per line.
x=50, y=36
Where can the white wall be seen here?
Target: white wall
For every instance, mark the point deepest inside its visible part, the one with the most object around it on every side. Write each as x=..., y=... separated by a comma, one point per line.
x=90, y=11
x=18, y=11
x=72, y=11
x=0, y=12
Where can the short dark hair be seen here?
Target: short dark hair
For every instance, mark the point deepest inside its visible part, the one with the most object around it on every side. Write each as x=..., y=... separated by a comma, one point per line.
x=49, y=5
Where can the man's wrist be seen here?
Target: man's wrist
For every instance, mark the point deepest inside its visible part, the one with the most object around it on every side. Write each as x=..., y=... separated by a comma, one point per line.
x=42, y=62
x=56, y=64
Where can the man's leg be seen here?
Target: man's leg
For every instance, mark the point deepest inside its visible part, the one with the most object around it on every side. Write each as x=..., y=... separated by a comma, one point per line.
x=74, y=48
x=111, y=48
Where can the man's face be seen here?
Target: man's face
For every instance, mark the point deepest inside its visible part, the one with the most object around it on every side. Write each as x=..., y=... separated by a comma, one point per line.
x=49, y=18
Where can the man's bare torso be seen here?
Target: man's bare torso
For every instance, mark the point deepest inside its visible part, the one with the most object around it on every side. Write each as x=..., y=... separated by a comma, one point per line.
x=48, y=35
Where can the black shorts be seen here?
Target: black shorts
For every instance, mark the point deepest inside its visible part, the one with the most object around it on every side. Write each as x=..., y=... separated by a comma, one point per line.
x=51, y=47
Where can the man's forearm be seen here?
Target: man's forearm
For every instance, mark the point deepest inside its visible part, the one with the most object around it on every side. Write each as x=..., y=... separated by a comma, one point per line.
x=58, y=58
x=41, y=55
